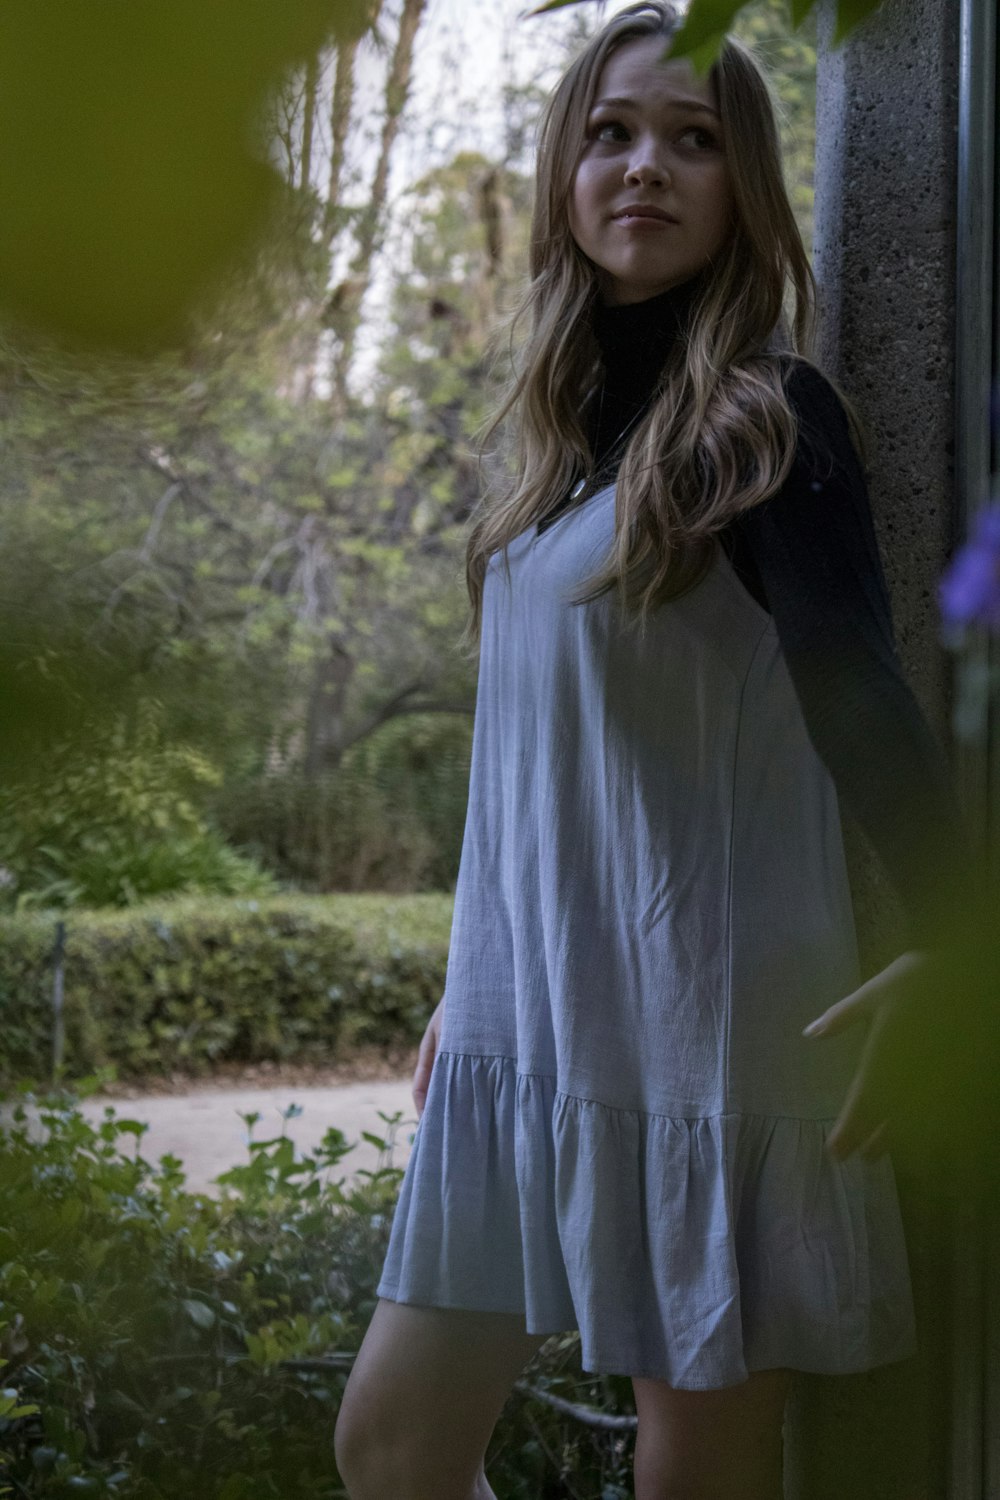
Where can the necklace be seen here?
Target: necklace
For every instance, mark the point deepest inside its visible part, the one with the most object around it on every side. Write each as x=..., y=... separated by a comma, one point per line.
x=583, y=485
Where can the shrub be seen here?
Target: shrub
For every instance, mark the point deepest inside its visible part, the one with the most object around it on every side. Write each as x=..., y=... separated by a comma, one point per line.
x=117, y=820
x=388, y=818
x=184, y=985
x=160, y=1345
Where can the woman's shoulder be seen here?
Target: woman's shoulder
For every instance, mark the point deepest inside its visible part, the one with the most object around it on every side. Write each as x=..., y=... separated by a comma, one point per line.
x=825, y=426
x=807, y=387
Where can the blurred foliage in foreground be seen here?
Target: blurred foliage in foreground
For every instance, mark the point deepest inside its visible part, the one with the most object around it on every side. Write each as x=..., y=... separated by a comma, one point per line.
x=156, y=1344
x=133, y=164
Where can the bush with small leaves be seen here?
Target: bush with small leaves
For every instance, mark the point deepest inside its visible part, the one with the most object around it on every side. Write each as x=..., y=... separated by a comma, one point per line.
x=160, y=1344
x=181, y=986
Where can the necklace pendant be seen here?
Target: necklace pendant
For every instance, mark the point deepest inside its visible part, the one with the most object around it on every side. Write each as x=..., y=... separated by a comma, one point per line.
x=578, y=489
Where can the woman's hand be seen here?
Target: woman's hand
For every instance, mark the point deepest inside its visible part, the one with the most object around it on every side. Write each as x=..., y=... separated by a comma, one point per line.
x=425, y=1058
x=886, y=1002
x=926, y=1086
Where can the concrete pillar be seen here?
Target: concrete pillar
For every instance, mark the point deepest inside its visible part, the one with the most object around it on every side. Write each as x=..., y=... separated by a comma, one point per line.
x=887, y=118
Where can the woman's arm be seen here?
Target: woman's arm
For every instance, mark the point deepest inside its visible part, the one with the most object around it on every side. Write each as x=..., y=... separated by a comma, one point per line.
x=925, y=1086
x=816, y=550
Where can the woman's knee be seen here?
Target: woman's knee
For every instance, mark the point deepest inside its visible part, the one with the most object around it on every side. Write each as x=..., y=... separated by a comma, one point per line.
x=377, y=1456
x=711, y=1445
x=367, y=1470
x=423, y=1398
x=370, y=1433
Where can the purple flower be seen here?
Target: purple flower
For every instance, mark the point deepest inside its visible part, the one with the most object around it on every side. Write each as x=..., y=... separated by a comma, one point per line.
x=969, y=590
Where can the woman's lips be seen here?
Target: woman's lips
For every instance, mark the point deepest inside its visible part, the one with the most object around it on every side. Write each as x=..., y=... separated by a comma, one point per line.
x=644, y=216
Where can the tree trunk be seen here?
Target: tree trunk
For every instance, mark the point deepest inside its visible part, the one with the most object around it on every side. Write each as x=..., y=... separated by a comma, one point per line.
x=340, y=119
x=341, y=105
x=372, y=220
x=309, y=118
x=325, y=717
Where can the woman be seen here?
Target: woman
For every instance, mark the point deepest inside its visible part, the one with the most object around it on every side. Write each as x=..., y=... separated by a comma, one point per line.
x=686, y=655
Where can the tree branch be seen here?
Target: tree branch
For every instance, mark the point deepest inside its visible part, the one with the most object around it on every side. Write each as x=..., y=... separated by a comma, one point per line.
x=309, y=119
x=588, y=1415
x=395, y=708
x=338, y=1359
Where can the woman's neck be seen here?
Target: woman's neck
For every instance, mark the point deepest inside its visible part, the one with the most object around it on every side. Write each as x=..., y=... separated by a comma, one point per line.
x=634, y=340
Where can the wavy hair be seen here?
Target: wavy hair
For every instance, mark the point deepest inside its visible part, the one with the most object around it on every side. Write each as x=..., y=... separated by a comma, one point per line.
x=719, y=435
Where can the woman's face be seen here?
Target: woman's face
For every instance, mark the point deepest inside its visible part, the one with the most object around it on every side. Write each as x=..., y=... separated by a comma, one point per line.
x=651, y=201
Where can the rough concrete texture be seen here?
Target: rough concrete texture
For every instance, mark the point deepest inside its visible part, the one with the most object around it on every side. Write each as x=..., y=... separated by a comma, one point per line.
x=885, y=255
x=886, y=210
x=886, y=191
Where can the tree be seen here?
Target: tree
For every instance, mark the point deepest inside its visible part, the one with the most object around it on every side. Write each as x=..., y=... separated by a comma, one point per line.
x=368, y=232
x=790, y=57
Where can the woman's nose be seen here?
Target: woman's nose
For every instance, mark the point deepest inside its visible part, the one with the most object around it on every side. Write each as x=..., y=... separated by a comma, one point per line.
x=647, y=165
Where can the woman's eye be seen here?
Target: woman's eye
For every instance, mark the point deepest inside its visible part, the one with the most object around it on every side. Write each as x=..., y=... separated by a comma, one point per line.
x=609, y=130
x=704, y=139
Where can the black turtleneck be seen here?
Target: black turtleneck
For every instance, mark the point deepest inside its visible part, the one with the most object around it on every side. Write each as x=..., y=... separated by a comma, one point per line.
x=633, y=340
x=809, y=557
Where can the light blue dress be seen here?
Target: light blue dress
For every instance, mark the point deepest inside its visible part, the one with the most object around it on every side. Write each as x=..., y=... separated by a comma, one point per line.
x=624, y=1129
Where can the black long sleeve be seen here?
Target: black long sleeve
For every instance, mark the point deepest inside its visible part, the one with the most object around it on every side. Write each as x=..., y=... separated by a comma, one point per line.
x=816, y=554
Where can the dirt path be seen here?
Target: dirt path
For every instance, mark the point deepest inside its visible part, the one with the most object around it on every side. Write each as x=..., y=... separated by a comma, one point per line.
x=205, y=1129
x=200, y=1122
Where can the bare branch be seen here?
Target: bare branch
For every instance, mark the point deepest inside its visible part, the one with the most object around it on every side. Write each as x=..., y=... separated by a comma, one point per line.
x=396, y=707
x=338, y=1359
x=309, y=118
x=588, y=1415
x=144, y=557
x=145, y=553
x=270, y=558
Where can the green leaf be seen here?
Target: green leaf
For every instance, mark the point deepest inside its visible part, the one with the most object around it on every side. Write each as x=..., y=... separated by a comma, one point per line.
x=704, y=55
x=237, y=1487
x=850, y=14
x=707, y=22
x=43, y=1458
x=551, y=5
x=199, y=1313
x=129, y=184
x=705, y=27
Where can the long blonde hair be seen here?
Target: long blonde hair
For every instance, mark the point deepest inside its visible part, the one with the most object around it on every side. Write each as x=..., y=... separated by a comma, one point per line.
x=720, y=435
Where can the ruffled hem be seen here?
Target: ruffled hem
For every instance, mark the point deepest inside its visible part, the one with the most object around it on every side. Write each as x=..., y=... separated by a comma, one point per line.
x=688, y=1250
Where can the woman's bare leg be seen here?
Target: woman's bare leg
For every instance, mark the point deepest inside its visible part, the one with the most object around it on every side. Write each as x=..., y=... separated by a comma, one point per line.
x=422, y=1399
x=710, y=1445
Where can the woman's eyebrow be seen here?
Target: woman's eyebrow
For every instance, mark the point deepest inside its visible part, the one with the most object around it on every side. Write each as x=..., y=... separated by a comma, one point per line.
x=685, y=104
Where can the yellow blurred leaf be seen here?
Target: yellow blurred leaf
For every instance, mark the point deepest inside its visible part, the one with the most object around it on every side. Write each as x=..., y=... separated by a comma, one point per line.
x=130, y=174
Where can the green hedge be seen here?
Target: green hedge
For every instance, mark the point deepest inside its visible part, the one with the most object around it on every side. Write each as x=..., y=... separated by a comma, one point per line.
x=185, y=984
